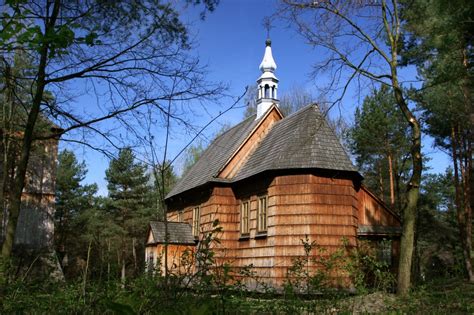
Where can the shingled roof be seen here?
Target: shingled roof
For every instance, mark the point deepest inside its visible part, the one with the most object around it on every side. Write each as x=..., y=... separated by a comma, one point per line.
x=302, y=140
x=178, y=233
x=214, y=157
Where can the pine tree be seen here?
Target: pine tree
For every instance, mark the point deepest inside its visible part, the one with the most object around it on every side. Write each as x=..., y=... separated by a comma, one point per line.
x=131, y=206
x=380, y=143
x=72, y=200
x=441, y=45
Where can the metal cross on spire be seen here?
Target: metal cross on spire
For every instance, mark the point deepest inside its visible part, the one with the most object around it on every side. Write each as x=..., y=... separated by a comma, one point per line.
x=268, y=25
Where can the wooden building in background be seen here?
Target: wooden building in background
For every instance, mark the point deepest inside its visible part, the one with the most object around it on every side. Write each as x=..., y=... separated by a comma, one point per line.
x=35, y=226
x=180, y=242
x=272, y=181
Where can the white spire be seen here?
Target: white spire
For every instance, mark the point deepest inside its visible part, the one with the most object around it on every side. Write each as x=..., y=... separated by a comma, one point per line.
x=267, y=82
x=268, y=64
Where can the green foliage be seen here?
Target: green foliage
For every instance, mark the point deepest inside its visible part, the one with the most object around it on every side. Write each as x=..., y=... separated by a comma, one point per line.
x=130, y=204
x=213, y=290
x=367, y=270
x=441, y=47
x=438, y=297
x=110, y=19
x=380, y=136
x=438, y=251
x=302, y=276
x=72, y=201
x=145, y=295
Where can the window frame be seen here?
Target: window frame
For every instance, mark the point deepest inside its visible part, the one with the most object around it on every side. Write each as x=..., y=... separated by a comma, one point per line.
x=262, y=214
x=180, y=215
x=245, y=218
x=196, y=221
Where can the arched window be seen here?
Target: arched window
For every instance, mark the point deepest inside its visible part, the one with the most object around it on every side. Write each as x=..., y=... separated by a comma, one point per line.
x=273, y=92
x=267, y=91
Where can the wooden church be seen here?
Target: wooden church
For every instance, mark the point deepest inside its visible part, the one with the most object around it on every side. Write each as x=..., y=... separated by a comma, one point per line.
x=272, y=181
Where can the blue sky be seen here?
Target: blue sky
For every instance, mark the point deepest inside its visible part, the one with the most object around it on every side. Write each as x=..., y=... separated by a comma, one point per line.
x=231, y=42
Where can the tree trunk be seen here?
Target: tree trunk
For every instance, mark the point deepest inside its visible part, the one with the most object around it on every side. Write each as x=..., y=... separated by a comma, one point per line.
x=466, y=171
x=108, y=259
x=166, y=240
x=134, y=252
x=397, y=187
x=392, y=184
x=84, y=281
x=123, y=270
x=465, y=210
x=382, y=191
x=7, y=154
x=413, y=193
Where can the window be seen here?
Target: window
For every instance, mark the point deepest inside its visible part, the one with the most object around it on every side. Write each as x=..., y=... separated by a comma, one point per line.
x=244, y=218
x=267, y=91
x=151, y=262
x=180, y=216
x=384, y=252
x=262, y=214
x=196, y=219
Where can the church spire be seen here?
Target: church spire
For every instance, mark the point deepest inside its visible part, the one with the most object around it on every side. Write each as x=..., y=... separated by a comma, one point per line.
x=267, y=83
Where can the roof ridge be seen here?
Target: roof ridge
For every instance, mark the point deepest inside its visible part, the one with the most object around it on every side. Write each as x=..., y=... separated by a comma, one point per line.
x=302, y=109
x=167, y=222
x=233, y=127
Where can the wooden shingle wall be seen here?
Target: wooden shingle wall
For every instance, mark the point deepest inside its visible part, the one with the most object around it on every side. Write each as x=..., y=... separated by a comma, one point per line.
x=372, y=212
x=322, y=208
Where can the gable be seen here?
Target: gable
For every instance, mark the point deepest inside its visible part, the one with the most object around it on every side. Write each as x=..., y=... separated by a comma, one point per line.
x=150, y=239
x=302, y=140
x=248, y=146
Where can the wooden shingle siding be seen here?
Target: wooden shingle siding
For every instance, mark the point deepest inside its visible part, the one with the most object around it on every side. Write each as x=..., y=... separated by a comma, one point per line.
x=372, y=212
x=325, y=209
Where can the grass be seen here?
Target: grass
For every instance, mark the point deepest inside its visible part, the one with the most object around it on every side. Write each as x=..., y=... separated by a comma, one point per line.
x=445, y=296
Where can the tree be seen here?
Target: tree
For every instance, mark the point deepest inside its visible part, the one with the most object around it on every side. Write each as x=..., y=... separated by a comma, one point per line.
x=437, y=241
x=361, y=44
x=163, y=181
x=130, y=203
x=72, y=200
x=380, y=144
x=127, y=52
x=441, y=47
x=192, y=155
